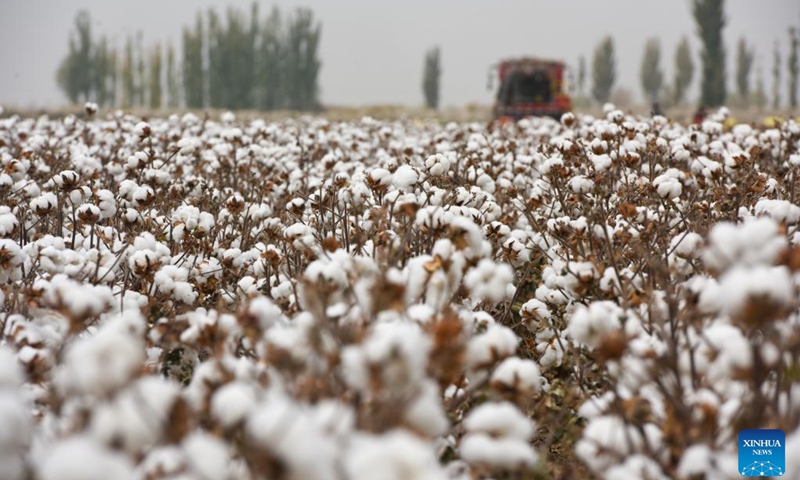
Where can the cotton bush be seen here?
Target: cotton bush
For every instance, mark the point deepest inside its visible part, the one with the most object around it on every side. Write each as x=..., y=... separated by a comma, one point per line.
x=609, y=297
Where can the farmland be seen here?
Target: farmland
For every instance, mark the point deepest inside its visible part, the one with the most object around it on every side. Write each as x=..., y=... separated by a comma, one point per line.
x=219, y=298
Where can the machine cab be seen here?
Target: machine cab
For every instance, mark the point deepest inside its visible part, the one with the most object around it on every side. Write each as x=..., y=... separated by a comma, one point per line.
x=531, y=87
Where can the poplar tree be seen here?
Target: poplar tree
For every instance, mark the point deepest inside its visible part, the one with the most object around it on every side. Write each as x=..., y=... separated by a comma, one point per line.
x=793, y=66
x=431, y=77
x=776, y=77
x=603, y=70
x=155, y=78
x=194, y=80
x=75, y=75
x=581, y=75
x=710, y=18
x=684, y=70
x=651, y=75
x=141, y=73
x=760, y=94
x=173, y=83
x=744, y=64
x=128, y=76
x=271, y=55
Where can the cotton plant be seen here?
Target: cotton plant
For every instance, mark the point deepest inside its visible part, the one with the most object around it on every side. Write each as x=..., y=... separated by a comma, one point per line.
x=222, y=298
x=17, y=424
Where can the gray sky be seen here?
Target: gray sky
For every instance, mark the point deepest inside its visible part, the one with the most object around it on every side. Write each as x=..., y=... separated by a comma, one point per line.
x=372, y=50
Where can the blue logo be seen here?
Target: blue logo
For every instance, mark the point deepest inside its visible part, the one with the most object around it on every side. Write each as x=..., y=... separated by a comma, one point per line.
x=762, y=453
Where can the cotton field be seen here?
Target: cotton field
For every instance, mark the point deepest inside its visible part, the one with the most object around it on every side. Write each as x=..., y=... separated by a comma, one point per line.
x=211, y=299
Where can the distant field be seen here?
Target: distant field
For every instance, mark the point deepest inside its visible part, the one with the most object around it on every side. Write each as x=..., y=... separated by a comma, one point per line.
x=469, y=113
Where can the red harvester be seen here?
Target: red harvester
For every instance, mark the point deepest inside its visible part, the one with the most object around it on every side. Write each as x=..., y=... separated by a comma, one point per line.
x=531, y=87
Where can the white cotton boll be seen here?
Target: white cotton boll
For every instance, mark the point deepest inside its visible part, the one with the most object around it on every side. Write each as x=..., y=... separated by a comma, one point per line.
x=135, y=417
x=637, y=467
x=696, y=460
x=44, y=203
x=79, y=458
x=233, y=257
x=12, y=257
x=686, y=245
x=533, y=312
x=729, y=349
x=588, y=325
x=755, y=242
x=205, y=375
x=518, y=374
x=395, y=455
x=188, y=145
x=325, y=272
x=668, y=187
x=207, y=456
x=500, y=453
x=581, y=184
x=516, y=252
x=380, y=177
x=500, y=420
x=143, y=261
x=232, y=403
x=142, y=130
x=595, y=406
x=437, y=164
x=498, y=436
x=291, y=433
x=399, y=351
x=184, y=293
x=781, y=210
x=143, y=195
x=8, y=223
x=601, y=163
x=405, y=177
x=335, y=418
x=793, y=461
x=66, y=178
x=228, y=117
x=80, y=300
x=265, y=311
x=425, y=413
x=10, y=369
x=90, y=108
x=172, y=280
x=136, y=161
x=496, y=343
x=550, y=348
x=486, y=183
x=468, y=231
x=13, y=466
x=100, y=364
x=15, y=433
x=132, y=216
x=107, y=204
x=488, y=280
x=301, y=236
x=88, y=213
x=605, y=439
x=166, y=460
x=738, y=285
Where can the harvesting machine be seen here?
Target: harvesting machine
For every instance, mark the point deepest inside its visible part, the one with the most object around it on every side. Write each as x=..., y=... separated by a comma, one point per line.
x=531, y=87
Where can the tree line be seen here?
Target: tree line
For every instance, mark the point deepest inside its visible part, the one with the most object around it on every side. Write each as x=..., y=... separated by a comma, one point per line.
x=241, y=61
x=710, y=20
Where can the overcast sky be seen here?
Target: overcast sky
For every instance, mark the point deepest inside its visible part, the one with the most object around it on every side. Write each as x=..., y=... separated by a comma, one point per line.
x=372, y=50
